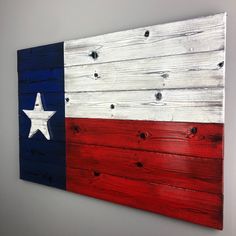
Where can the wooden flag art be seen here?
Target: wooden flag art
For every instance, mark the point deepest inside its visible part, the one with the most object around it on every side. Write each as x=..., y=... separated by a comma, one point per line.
x=134, y=117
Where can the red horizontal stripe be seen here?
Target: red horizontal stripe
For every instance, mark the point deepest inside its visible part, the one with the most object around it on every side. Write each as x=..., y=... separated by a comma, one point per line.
x=193, y=139
x=197, y=207
x=169, y=168
x=202, y=174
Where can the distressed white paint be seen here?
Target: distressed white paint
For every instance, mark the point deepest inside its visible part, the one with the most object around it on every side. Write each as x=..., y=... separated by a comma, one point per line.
x=190, y=105
x=198, y=70
x=190, y=36
x=39, y=118
x=181, y=60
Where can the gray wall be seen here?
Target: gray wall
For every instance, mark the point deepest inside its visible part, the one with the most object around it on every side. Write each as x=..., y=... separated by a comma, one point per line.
x=31, y=209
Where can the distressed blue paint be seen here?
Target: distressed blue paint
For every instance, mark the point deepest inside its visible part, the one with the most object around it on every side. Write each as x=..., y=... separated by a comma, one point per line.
x=42, y=57
x=49, y=80
x=41, y=70
x=43, y=173
x=32, y=150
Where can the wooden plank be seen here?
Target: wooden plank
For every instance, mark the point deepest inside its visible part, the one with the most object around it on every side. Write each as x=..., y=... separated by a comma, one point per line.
x=202, y=174
x=200, y=70
x=192, y=139
x=43, y=173
x=197, y=207
x=39, y=150
x=190, y=36
x=184, y=105
x=42, y=57
x=47, y=80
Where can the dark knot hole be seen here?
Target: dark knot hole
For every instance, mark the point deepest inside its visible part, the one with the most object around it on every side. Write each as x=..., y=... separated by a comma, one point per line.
x=146, y=34
x=221, y=64
x=139, y=164
x=94, y=55
x=143, y=135
x=76, y=129
x=158, y=96
x=96, y=173
x=193, y=130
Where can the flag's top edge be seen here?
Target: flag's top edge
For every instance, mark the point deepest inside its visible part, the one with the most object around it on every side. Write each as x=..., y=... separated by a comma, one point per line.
x=223, y=14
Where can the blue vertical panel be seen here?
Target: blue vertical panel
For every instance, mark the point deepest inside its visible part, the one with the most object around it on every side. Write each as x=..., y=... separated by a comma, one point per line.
x=41, y=70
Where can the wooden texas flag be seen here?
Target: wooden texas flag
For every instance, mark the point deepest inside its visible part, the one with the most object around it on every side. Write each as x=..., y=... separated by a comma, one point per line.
x=134, y=117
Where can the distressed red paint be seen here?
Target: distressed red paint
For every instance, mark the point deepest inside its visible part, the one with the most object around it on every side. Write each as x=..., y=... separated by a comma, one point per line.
x=171, y=168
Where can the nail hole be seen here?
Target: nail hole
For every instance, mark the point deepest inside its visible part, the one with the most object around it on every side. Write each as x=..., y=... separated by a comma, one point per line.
x=96, y=173
x=221, y=64
x=193, y=130
x=67, y=99
x=96, y=75
x=94, y=55
x=158, y=96
x=112, y=106
x=143, y=135
x=146, y=34
x=139, y=164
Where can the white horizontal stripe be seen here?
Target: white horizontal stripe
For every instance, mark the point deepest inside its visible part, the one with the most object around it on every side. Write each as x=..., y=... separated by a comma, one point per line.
x=190, y=36
x=182, y=71
x=187, y=105
x=182, y=61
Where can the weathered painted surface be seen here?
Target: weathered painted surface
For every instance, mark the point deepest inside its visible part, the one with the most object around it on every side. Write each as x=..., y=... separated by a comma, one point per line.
x=134, y=117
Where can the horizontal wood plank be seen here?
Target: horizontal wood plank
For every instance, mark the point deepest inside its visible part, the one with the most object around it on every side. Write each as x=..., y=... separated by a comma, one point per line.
x=200, y=70
x=42, y=57
x=190, y=36
x=202, y=174
x=197, y=207
x=43, y=173
x=186, y=105
x=47, y=80
x=40, y=150
x=192, y=139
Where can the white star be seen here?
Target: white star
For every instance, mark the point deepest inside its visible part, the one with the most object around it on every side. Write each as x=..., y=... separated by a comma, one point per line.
x=39, y=118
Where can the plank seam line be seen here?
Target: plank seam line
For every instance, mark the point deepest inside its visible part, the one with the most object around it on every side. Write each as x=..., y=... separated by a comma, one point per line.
x=157, y=89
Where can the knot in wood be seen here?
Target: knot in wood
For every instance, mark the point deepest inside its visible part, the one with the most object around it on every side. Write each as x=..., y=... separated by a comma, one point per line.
x=76, y=129
x=96, y=173
x=143, y=135
x=139, y=164
x=146, y=34
x=94, y=55
x=193, y=130
x=221, y=64
x=96, y=75
x=158, y=96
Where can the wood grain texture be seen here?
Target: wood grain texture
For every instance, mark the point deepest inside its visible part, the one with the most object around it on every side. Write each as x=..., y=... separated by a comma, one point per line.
x=197, y=207
x=188, y=105
x=138, y=117
x=200, y=70
x=192, y=139
x=42, y=57
x=202, y=174
x=40, y=71
x=190, y=36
